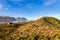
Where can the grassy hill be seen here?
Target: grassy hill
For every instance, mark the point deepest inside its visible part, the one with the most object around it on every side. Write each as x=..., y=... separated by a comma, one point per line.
x=45, y=28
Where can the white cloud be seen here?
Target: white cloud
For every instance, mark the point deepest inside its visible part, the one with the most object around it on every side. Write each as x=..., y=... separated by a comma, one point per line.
x=6, y=7
x=20, y=9
x=49, y=2
x=16, y=0
x=1, y=6
x=29, y=5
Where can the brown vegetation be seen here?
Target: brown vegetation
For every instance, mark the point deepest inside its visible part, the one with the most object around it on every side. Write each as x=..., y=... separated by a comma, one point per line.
x=46, y=28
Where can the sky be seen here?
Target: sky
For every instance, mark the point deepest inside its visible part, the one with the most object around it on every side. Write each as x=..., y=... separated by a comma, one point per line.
x=30, y=9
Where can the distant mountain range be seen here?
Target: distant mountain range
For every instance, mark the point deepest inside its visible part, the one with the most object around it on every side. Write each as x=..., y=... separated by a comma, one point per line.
x=11, y=19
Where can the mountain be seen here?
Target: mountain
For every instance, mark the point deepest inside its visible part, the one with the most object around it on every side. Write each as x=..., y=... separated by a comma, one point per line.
x=45, y=28
x=11, y=19
x=51, y=20
x=6, y=19
x=19, y=19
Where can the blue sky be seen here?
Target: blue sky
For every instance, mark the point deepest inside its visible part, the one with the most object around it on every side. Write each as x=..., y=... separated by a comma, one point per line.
x=30, y=9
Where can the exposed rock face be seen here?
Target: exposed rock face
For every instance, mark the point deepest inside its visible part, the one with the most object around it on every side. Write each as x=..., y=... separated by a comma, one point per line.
x=6, y=19
x=11, y=19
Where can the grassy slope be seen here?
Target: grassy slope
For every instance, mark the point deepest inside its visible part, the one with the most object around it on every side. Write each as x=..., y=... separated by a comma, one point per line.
x=34, y=30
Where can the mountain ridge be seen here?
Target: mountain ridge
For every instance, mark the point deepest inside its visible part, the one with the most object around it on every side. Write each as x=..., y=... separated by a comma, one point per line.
x=40, y=29
x=11, y=19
